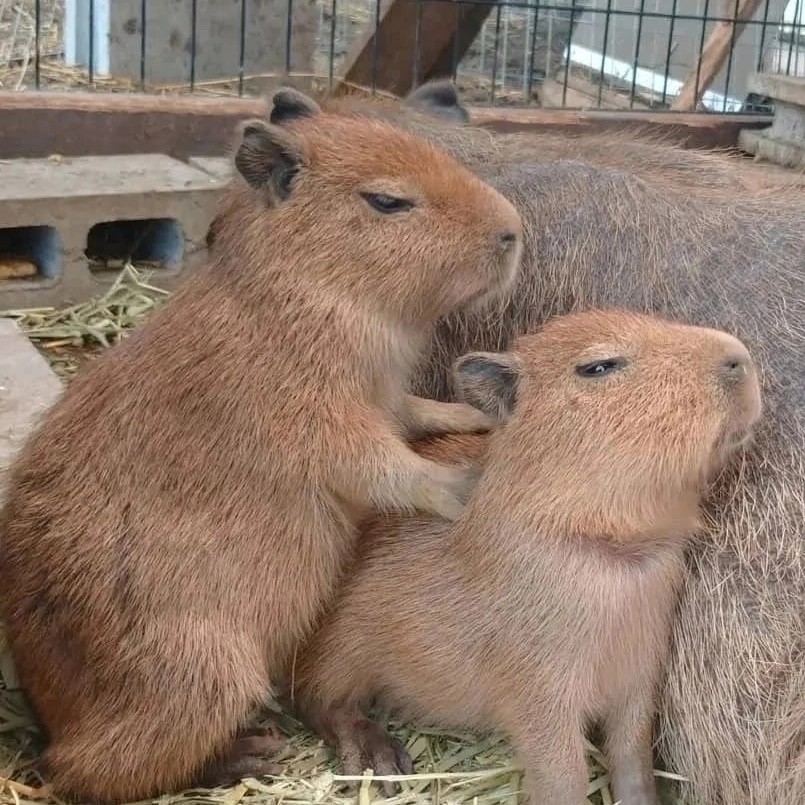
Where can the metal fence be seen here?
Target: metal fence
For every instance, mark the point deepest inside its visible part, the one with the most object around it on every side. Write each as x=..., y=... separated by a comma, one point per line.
x=616, y=54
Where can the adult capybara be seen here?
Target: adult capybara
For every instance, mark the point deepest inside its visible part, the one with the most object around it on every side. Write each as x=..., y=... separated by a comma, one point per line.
x=732, y=719
x=547, y=606
x=177, y=522
x=654, y=157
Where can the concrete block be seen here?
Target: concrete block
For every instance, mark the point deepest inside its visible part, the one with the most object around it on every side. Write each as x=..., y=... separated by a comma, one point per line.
x=68, y=215
x=784, y=141
x=220, y=167
x=28, y=388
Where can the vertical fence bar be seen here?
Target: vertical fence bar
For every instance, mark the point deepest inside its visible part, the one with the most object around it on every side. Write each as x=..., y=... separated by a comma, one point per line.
x=331, y=68
x=729, y=58
x=375, y=53
x=495, y=53
x=569, y=49
x=533, y=38
x=37, y=42
x=143, y=40
x=701, y=48
x=668, y=53
x=456, y=43
x=608, y=16
x=636, y=60
x=794, y=39
x=763, y=35
x=288, y=37
x=417, y=47
x=193, y=26
x=242, y=48
x=91, y=43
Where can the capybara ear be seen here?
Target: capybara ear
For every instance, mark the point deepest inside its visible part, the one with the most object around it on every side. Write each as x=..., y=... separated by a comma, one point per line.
x=440, y=99
x=488, y=381
x=268, y=158
x=291, y=104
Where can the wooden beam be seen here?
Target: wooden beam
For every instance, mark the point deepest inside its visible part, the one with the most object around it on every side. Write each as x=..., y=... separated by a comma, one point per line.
x=418, y=41
x=713, y=55
x=38, y=124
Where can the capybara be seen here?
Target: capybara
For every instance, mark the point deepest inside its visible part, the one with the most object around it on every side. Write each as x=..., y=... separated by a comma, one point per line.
x=732, y=722
x=547, y=606
x=176, y=524
x=655, y=157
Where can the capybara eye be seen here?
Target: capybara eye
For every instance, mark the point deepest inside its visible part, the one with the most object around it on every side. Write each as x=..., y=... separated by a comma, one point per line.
x=600, y=368
x=387, y=204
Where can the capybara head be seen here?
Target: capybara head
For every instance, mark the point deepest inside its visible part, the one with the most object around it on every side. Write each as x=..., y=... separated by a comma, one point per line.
x=371, y=210
x=620, y=415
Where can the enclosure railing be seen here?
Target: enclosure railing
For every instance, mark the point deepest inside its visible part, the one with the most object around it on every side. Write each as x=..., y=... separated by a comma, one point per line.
x=674, y=55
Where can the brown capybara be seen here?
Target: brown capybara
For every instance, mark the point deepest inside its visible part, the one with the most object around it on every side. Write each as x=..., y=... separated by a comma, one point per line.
x=547, y=606
x=656, y=158
x=174, y=527
x=731, y=719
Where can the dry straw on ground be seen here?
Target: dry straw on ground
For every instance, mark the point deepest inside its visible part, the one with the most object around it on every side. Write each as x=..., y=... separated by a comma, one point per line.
x=453, y=767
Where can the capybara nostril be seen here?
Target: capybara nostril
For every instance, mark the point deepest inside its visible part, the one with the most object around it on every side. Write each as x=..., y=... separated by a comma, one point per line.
x=507, y=238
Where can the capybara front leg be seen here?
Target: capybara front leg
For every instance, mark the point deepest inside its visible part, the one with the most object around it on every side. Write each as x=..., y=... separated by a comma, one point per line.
x=390, y=476
x=360, y=744
x=425, y=417
x=556, y=767
x=249, y=756
x=628, y=744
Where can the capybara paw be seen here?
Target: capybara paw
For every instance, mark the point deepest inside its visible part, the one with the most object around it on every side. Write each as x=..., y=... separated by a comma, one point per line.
x=248, y=757
x=366, y=746
x=449, y=489
x=463, y=418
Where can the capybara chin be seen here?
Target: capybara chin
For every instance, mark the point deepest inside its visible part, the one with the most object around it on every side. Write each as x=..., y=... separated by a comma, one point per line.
x=603, y=233
x=176, y=524
x=547, y=606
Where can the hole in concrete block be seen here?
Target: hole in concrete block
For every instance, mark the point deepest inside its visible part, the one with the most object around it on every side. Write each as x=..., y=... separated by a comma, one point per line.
x=30, y=253
x=151, y=242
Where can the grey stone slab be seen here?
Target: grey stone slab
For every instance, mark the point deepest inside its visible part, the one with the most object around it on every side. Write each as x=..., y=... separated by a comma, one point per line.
x=220, y=167
x=788, y=89
x=28, y=388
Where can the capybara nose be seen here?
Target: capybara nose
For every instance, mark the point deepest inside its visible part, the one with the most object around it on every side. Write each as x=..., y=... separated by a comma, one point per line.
x=507, y=238
x=735, y=367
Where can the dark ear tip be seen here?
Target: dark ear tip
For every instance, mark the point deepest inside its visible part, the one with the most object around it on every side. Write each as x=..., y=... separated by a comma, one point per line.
x=290, y=104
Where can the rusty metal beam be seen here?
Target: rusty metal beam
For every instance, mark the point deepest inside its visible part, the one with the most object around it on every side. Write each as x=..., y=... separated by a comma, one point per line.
x=419, y=41
x=38, y=124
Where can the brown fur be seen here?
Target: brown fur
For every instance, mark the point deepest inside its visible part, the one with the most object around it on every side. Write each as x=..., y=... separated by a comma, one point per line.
x=177, y=523
x=547, y=606
x=657, y=159
x=602, y=237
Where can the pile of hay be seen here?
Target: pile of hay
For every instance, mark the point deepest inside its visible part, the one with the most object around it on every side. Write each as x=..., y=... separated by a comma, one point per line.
x=453, y=766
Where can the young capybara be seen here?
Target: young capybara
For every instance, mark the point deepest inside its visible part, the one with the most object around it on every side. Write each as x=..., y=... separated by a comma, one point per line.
x=595, y=236
x=178, y=521
x=547, y=606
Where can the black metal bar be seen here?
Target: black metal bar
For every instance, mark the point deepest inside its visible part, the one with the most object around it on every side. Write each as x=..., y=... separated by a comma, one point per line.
x=242, y=54
x=417, y=46
x=375, y=53
x=701, y=50
x=495, y=56
x=763, y=35
x=193, y=27
x=91, y=43
x=729, y=59
x=37, y=34
x=331, y=72
x=288, y=37
x=668, y=53
x=530, y=82
x=604, y=52
x=567, y=60
x=795, y=30
x=455, y=59
x=143, y=28
x=636, y=60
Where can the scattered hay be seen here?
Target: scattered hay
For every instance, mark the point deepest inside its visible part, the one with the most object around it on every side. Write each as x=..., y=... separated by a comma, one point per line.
x=67, y=337
x=454, y=767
